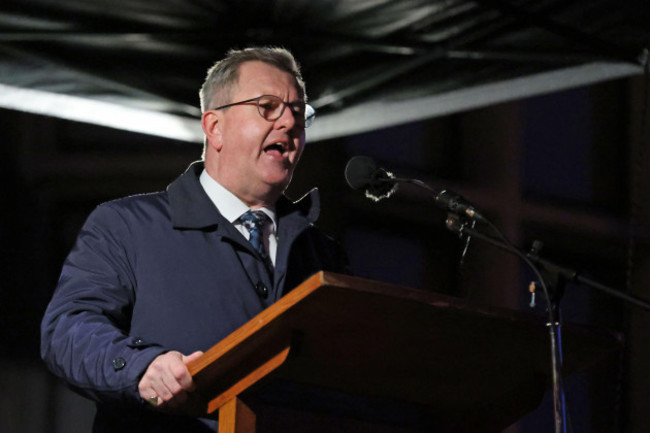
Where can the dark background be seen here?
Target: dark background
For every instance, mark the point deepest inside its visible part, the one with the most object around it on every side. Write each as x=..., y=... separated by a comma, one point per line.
x=552, y=168
x=567, y=167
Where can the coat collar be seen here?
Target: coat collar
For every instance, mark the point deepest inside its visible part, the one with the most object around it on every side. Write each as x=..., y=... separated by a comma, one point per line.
x=191, y=207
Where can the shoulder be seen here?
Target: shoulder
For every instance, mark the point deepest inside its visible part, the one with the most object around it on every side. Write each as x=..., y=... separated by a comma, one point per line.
x=130, y=212
x=137, y=204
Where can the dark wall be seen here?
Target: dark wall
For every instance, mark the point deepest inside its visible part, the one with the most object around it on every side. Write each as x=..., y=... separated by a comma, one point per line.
x=554, y=168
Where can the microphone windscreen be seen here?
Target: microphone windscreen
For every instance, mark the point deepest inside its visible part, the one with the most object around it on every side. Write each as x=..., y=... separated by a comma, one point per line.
x=359, y=171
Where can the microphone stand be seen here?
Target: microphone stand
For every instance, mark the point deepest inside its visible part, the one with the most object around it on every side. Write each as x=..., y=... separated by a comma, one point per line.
x=460, y=225
x=557, y=277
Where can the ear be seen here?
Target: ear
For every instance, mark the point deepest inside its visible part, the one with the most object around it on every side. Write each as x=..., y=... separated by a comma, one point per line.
x=211, y=124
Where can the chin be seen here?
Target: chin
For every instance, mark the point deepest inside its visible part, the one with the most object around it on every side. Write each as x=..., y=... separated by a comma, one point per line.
x=281, y=184
x=278, y=177
x=278, y=185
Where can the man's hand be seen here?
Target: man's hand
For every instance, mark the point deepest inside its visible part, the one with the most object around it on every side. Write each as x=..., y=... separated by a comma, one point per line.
x=167, y=381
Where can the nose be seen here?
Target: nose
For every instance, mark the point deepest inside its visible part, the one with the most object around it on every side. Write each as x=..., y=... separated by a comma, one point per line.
x=287, y=120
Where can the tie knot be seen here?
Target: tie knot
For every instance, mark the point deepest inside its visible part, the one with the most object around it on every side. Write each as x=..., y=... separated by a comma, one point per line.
x=254, y=219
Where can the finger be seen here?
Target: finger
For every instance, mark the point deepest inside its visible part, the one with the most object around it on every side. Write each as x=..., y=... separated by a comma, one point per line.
x=167, y=378
x=186, y=382
x=164, y=392
x=148, y=386
x=177, y=401
x=181, y=375
x=175, y=376
x=194, y=356
x=158, y=380
x=150, y=392
x=160, y=389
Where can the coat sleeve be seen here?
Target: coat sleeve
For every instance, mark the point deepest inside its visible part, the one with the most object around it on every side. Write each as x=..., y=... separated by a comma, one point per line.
x=85, y=331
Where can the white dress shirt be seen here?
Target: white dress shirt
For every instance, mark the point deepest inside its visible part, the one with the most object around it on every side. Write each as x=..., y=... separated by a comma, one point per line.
x=231, y=207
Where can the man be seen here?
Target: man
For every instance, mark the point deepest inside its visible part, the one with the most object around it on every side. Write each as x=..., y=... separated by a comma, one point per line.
x=156, y=279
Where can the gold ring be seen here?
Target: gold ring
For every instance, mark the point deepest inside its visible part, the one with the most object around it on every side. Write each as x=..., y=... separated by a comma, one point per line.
x=153, y=401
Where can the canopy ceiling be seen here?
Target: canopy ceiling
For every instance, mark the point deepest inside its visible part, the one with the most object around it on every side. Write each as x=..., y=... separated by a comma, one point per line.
x=137, y=64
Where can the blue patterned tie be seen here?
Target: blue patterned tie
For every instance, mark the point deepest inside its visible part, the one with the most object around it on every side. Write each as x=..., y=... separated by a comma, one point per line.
x=254, y=221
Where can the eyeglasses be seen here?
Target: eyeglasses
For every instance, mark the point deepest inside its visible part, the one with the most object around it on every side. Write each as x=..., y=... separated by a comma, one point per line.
x=272, y=107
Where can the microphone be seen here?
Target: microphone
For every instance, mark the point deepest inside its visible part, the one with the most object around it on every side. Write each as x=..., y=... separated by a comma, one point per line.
x=361, y=172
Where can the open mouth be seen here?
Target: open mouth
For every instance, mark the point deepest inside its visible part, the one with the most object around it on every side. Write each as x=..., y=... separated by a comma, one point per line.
x=275, y=147
x=276, y=150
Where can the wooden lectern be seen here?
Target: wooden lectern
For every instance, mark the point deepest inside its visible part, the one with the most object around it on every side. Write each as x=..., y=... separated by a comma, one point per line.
x=461, y=368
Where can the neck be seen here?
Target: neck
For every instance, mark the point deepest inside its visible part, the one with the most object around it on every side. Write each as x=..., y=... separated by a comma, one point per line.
x=254, y=199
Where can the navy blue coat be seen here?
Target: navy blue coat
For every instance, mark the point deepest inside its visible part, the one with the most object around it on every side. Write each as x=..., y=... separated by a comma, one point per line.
x=165, y=271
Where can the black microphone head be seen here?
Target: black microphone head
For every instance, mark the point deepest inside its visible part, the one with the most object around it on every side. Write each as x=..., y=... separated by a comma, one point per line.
x=360, y=172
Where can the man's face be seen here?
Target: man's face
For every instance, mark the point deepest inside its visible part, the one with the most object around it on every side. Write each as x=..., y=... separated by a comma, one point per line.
x=256, y=157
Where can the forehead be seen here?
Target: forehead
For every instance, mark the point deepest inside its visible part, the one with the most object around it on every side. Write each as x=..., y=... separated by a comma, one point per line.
x=257, y=78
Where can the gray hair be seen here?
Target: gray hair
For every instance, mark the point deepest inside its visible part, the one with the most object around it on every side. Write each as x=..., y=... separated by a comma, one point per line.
x=223, y=75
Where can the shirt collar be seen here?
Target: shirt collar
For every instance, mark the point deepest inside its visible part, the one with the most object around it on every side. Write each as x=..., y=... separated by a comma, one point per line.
x=191, y=208
x=227, y=203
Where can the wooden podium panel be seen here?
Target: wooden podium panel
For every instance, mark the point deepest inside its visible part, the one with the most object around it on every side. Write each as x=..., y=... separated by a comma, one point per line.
x=463, y=368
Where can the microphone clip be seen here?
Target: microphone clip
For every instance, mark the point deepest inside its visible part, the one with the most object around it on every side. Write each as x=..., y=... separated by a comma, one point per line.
x=457, y=224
